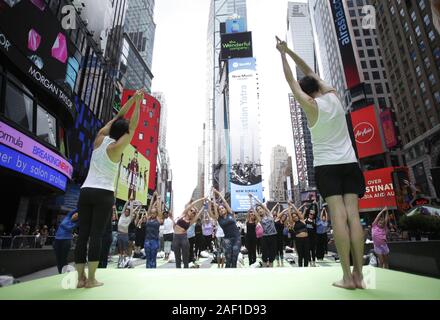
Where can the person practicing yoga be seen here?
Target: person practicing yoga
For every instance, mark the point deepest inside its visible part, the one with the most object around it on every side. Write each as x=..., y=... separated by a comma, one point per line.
x=339, y=178
x=97, y=193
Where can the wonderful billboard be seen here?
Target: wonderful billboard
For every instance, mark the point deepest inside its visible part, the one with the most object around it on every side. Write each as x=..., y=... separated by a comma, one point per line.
x=236, y=45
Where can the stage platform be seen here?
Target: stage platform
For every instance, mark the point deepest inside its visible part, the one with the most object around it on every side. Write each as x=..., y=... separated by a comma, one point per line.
x=228, y=284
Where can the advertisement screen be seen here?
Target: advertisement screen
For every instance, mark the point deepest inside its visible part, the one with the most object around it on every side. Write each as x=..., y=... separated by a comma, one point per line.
x=134, y=172
x=25, y=165
x=52, y=59
x=236, y=25
x=379, y=190
x=309, y=196
x=21, y=142
x=366, y=132
x=236, y=45
x=345, y=44
x=389, y=131
x=245, y=173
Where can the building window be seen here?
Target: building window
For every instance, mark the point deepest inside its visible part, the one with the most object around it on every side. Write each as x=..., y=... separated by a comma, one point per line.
x=141, y=136
x=373, y=64
x=150, y=114
x=376, y=75
x=423, y=87
x=427, y=20
x=419, y=71
x=145, y=123
x=361, y=53
x=19, y=107
x=432, y=79
x=437, y=96
x=427, y=63
x=151, y=139
x=46, y=126
x=413, y=16
x=431, y=35
x=422, y=4
x=147, y=152
x=418, y=33
x=427, y=104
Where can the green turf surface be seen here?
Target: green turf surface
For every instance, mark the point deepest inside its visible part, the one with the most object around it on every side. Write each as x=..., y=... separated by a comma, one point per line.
x=228, y=284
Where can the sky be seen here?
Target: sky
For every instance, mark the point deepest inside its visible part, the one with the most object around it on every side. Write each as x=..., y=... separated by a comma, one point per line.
x=179, y=68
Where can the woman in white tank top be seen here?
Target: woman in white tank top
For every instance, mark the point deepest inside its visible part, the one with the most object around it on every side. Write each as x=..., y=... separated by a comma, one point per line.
x=338, y=176
x=97, y=193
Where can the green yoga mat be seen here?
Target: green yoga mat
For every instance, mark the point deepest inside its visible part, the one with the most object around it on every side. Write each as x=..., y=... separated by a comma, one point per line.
x=228, y=284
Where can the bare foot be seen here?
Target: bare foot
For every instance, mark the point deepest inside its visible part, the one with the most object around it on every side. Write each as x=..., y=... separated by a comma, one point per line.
x=93, y=283
x=81, y=282
x=345, y=284
x=358, y=280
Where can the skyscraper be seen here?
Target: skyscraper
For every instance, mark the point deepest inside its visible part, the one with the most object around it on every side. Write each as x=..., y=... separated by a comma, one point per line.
x=278, y=169
x=406, y=30
x=300, y=38
x=216, y=118
x=140, y=27
x=331, y=65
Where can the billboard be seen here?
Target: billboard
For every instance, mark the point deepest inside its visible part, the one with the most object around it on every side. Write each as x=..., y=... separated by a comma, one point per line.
x=236, y=45
x=389, y=131
x=379, y=190
x=40, y=47
x=18, y=162
x=366, y=132
x=16, y=140
x=245, y=171
x=345, y=44
x=146, y=136
x=309, y=196
x=134, y=173
x=236, y=25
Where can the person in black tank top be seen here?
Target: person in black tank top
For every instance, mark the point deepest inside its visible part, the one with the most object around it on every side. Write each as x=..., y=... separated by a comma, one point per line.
x=180, y=240
x=251, y=237
x=311, y=230
x=301, y=236
x=226, y=219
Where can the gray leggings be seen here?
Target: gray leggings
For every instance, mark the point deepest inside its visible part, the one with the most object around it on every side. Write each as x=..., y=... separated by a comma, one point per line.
x=181, y=250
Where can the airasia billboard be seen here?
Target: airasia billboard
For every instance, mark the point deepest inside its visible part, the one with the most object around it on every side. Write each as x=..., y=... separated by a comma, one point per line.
x=379, y=190
x=366, y=132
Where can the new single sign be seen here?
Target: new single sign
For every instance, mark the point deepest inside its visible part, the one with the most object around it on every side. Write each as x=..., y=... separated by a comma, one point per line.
x=379, y=190
x=236, y=45
x=366, y=132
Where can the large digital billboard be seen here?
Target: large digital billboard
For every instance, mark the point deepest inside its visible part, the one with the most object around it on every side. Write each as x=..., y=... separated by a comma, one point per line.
x=379, y=190
x=18, y=162
x=236, y=45
x=16, y=140
x=345, y=44
x=40, y=47
x=366, y=132
x=245, y=172
x=134, y=172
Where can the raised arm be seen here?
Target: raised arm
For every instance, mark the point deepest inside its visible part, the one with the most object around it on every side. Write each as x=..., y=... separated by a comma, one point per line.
x=105, y=131
x=152, y=202
x=225, y=203
x=307, y=70
x=275, y=207
x=192, y=204
x=307, y=102
x=379, y=215
x=261, y=204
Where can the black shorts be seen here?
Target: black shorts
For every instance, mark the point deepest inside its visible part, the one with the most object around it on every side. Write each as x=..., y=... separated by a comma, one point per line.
x=340, y=179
